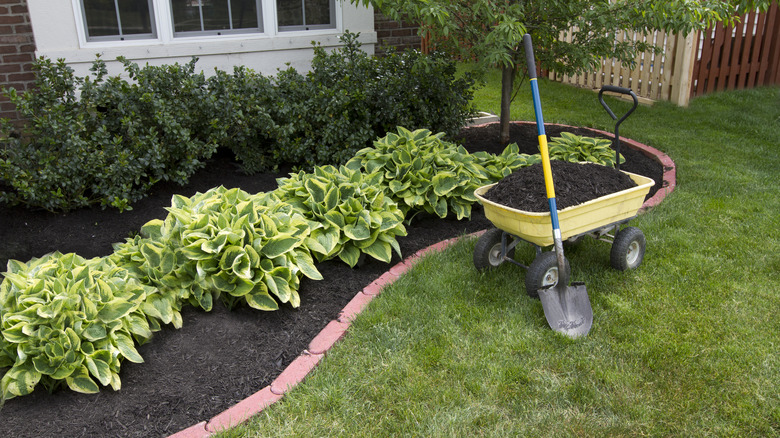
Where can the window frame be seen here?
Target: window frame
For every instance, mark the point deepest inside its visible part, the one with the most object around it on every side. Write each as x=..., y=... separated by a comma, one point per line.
x=259, y=4
x=308, y=27
x=162, y=16
x=104, y=38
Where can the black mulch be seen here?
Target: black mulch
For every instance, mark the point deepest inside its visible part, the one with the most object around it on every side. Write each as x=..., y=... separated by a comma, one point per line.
x=219, y=358
x=574, y=184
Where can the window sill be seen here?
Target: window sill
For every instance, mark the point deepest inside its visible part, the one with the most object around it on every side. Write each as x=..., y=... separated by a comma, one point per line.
x=204, y=46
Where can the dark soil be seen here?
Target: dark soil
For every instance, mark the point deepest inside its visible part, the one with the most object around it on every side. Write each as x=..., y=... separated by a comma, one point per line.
x=573, y=183
x=218, y=358
x=524, y=135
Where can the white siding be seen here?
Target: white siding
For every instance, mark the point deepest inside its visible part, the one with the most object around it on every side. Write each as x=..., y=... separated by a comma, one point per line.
x=59, y=33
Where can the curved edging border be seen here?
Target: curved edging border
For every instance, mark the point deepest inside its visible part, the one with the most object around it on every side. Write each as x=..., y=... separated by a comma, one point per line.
x=336, y=329
x=311, y=357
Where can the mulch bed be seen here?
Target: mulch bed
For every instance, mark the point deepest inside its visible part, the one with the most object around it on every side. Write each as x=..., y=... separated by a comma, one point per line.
x=218, y=358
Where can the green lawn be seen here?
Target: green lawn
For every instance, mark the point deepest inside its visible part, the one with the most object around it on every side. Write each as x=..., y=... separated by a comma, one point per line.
x=688, y=345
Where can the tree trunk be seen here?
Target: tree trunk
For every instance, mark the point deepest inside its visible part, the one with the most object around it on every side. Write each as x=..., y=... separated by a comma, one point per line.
x=507, y=82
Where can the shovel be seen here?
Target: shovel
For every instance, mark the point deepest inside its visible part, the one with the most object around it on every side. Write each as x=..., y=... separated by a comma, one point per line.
x=567, y=308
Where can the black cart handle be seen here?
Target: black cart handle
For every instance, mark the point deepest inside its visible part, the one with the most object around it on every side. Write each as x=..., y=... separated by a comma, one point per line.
x=619, y=90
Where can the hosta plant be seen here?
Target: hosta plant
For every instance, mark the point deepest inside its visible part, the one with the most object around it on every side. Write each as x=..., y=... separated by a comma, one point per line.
x=226, y=244
x=351, y=206
x=421, y=172
x=576, y=148
x=500, y=166
x=67, y=319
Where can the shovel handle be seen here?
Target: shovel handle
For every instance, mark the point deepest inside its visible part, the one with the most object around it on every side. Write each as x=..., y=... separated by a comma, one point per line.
x=531, y=64
x=529, y=56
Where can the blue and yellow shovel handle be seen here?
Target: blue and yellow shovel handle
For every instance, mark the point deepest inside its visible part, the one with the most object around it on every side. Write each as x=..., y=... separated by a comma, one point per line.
x=548, y=181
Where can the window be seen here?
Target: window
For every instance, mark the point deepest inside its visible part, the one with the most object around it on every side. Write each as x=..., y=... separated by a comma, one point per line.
x=216, y=17
x=118, y=19
x=305, y=14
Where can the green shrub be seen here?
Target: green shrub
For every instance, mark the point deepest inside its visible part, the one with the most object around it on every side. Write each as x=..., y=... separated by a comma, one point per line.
x=104, y=140
x=421, y=172
x=347, y=100
x=67, y=319
x=245, y=105
x=355, y=214
x=575, y=148
x=420, y=91
x=223, y=244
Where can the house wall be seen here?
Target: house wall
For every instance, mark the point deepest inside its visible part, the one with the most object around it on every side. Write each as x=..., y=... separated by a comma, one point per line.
x=59, y=33
x=401, y=35
x=17, y=51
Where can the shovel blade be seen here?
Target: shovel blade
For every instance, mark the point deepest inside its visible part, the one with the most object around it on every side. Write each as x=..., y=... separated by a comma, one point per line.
x=567, y=309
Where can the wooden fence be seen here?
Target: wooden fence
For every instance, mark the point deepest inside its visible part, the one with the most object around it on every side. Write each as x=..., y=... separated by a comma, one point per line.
x=745, y=55
x=742, y=56
x=664, y=76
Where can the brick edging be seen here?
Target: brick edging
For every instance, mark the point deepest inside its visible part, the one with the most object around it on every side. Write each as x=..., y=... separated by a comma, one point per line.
x=297, y=371
x=311, y=357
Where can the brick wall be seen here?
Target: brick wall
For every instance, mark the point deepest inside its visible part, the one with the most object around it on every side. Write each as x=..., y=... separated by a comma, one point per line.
x=17, y=51
x=401, y=35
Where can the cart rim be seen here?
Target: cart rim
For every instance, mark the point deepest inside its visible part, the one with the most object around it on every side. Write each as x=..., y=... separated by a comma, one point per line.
x=494, y=256
x=633, y=253
x=550, y=277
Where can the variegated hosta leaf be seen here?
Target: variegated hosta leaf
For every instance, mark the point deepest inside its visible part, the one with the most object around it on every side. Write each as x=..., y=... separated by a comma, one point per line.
x=222, y=244
x=66, y=318
x=575, y=148
x=351, y=208
x=421, y=172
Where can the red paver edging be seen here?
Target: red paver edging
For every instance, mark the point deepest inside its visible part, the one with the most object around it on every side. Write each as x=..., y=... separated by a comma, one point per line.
x=242, y=411
x=194, y=431
x=297, y=371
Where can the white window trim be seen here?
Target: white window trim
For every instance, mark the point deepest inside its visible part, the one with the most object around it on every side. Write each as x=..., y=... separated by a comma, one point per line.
x=163, y=22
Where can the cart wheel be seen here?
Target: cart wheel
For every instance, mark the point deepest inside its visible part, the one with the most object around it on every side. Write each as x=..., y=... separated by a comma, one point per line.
x=487, y=253
x=628, y=249
x=544, y=272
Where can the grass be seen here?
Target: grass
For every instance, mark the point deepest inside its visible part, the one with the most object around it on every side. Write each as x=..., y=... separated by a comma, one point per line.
x=687, y=345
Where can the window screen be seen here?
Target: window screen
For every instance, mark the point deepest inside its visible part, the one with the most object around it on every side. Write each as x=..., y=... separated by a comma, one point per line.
x=118, y=19
x=305, y=14
x=216, y=17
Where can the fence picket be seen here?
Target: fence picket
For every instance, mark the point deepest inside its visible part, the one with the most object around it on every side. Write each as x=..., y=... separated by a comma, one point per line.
x=774, y=50
x=745, y=55
x=755, y=59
